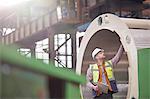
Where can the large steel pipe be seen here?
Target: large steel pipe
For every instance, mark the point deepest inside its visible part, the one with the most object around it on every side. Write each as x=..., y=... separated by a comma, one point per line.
x=108, y=32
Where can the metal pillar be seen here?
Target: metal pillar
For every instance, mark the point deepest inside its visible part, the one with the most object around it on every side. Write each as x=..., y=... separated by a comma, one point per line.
x=53, y=82
x=33, y=51
x=73, y=36
x=1, y=34
x=51, y=45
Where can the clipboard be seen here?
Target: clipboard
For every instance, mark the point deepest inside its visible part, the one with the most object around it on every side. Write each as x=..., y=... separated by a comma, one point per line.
x=103, y=87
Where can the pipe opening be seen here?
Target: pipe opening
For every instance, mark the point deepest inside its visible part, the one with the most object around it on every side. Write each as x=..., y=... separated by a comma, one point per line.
x=110, y=42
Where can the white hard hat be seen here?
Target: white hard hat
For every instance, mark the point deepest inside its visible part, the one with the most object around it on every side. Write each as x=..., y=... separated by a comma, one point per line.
x=96, y=51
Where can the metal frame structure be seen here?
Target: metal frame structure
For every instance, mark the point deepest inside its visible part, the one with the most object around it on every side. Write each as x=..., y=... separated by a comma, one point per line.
x=11, y=57
x=133, y=35
x=66, y=50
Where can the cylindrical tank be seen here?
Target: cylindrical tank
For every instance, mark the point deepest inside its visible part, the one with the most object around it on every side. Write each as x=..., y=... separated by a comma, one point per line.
x=108, y=32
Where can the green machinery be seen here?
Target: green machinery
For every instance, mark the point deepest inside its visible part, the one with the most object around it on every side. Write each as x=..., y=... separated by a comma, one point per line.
x=23, y=78
x=144, y=73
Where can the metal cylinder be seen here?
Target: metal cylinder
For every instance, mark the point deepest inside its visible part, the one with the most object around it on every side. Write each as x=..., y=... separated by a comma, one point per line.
x=108, y=32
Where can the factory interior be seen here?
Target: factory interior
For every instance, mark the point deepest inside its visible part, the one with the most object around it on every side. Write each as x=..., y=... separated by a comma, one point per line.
x=46, y=47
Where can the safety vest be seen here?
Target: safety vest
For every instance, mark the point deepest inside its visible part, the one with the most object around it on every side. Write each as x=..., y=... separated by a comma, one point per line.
x=112, y=82
x=108, y=68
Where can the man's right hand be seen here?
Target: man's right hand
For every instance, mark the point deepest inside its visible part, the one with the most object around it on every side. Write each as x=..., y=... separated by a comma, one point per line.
x=95, y=88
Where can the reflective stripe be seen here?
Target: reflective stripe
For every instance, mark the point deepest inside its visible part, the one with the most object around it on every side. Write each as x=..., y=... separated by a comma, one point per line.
x=109, y=72
x=95, y=72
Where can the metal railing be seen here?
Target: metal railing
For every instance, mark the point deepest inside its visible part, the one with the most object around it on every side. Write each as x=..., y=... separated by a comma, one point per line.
x=41, y=23
x=72, y=80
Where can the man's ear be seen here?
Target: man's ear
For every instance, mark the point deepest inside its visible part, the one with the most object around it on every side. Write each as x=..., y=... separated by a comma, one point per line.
x=95, y=57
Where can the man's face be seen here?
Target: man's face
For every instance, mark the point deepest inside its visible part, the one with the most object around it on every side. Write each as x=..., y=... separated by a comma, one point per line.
x=100, y=55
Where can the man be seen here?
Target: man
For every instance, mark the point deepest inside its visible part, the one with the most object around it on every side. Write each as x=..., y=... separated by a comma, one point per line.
x=100, y=75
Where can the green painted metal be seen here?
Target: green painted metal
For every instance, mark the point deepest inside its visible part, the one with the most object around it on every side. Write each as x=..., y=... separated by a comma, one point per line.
x=19, y=83
x=72, y=91
x=0, y=82
x=11, y=56
x=144, y=73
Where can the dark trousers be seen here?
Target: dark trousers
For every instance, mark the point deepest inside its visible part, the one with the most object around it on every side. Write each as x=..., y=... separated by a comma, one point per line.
x=104, y=96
